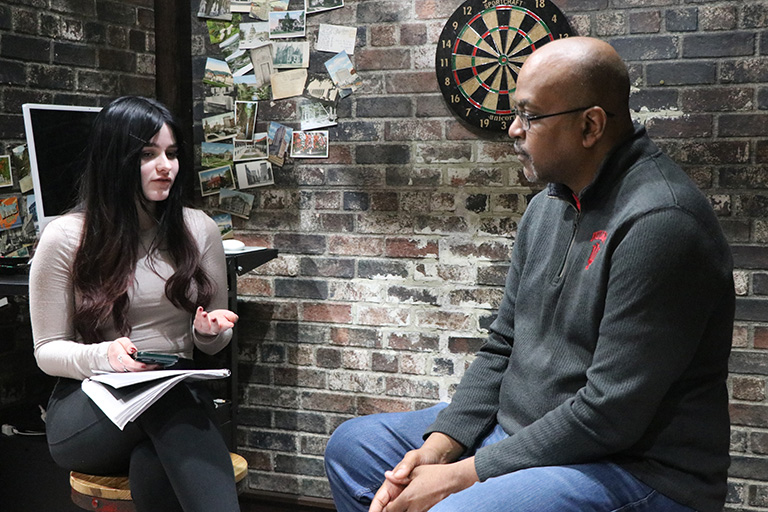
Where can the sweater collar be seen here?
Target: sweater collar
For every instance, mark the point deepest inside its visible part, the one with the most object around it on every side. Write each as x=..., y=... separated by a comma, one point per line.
x=618, y=161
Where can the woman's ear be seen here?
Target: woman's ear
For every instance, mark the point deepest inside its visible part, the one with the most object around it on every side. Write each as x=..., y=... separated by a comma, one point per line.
x=595, y=120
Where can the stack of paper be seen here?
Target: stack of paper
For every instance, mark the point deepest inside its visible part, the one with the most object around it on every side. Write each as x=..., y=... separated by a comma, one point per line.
x=124, y=396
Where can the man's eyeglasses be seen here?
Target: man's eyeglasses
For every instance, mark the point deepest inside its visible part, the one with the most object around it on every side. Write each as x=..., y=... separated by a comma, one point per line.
x=525, y=119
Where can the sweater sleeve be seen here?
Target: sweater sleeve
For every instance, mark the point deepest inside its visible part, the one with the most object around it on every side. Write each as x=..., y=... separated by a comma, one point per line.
x=51, y=300
x=667, y=279
x=214, y=263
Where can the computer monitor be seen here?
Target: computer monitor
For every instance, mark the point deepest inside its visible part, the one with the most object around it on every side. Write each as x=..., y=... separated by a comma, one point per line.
x=57, y=136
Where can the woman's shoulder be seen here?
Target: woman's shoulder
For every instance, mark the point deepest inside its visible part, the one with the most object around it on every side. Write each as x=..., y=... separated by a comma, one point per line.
x=65, y=227
x=198, y=221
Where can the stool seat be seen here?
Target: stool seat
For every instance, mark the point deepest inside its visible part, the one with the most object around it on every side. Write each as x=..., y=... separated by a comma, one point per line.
x=94, y=492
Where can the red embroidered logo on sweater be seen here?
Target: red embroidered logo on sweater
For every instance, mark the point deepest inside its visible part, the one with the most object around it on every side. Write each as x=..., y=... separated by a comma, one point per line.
x=598, y=237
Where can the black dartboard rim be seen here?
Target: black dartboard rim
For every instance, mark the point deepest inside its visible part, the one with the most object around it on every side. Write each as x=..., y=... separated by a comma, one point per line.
x=480, y=51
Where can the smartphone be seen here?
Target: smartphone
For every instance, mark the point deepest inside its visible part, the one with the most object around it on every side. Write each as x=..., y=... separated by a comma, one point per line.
x=155, y=358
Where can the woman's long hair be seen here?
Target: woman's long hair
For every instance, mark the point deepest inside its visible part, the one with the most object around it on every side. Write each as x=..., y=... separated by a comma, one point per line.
x=110, y=197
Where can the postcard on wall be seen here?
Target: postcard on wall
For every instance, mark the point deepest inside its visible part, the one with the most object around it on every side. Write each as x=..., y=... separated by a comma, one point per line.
x=230, y=46
x=287, y=84
x=245, y=118
x=248, y=89
x=313, y=6
x=261, y=58
x=6, y=178
x=240, y=63
x=212, y=181
x=321, y=87
x=219, y=127
x=226, y=228
x=240, y=6
x=217, y=73
x=218, y=100
x=336, y=38
x=287, y=24
x=251, y=149
x=290, y=54
x=235, y=202
x=221, y=31
x=256, y=173
x=215, y=154
x=260, y=9
x=20, y=166
x=310, y=144
x=343, y=74
x=315, y=114
x=214, y=9
x=10, y=215
x=279, y=137
x=253, y=35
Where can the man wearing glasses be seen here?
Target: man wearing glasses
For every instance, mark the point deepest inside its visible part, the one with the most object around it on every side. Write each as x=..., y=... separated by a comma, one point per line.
x=602, y=385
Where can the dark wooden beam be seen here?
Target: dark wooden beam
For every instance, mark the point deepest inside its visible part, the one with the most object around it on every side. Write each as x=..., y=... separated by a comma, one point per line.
x=173, y=67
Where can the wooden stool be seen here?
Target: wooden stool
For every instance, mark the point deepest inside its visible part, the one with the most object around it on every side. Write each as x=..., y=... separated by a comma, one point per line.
x=113, y=493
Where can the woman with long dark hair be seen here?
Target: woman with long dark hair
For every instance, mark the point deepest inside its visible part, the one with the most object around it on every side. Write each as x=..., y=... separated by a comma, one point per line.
x=132, y=269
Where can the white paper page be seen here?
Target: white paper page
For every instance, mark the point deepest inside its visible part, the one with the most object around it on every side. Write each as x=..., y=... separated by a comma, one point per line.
x=336, y=38
x=122, y=379
x=128, y=407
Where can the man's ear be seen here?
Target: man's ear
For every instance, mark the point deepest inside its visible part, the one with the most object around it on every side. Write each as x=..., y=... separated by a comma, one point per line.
x=595, y=121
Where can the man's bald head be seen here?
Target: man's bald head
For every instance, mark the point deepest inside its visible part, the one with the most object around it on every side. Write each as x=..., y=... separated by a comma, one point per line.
x=587, y=71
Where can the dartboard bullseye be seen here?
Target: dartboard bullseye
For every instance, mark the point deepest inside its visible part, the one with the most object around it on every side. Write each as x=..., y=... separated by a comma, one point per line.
x=480, y=52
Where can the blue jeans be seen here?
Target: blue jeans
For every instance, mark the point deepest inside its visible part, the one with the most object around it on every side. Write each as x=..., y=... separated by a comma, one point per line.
x=361, y=449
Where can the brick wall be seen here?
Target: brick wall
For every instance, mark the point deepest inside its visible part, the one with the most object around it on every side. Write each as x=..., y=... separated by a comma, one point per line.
x=395, y=248
x=78, y=52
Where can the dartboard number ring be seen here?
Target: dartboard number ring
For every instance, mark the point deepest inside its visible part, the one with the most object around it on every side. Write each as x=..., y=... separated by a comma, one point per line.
x=481, y=49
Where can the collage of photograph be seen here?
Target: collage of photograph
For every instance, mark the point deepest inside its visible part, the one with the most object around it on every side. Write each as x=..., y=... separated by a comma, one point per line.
x=260, y=52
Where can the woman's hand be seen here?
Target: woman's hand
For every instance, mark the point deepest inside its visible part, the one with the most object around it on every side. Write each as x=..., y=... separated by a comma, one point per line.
x=211, y=323
x=120, y=355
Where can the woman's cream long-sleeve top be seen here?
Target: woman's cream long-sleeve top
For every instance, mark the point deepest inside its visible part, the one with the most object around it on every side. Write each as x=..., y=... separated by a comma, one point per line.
x=157, y=325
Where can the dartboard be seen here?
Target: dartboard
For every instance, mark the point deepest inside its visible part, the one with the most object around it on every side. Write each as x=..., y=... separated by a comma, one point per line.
x=480, y=52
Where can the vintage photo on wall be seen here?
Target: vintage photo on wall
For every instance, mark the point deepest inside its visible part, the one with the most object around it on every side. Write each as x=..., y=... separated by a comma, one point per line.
x=219, y=127
x=20, y=166
x=218, y=100
x=248, y=89
x=6, y=177
x=279, y=137
x=245, y=119
x=235, y=202
x=217, y=73
x=253, y=35
x=254, y=173
x=287, y=84
x=315, y=114
x=212, y=181
x=287, y=24
x=215, y=154
x=343, y=74
x=226, y=227
x=310, y=144
x=290, y=54
x=321, y=88
x=214, y=9
x=240, y=63
x=256, y=148
x=313, y=6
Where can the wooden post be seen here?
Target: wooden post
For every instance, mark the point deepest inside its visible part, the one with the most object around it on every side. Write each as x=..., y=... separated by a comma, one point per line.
x=173, y=68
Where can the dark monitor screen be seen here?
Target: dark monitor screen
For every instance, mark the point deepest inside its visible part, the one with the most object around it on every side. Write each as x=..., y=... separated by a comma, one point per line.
x=57, y=136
